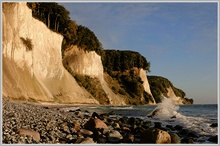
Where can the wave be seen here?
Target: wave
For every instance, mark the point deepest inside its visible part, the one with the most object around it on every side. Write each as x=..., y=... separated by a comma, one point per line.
x=166, y=113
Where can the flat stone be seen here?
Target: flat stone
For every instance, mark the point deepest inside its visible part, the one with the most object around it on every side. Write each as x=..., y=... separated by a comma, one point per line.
x=34, y=134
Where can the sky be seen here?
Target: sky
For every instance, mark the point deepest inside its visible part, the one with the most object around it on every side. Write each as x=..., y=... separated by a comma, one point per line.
x=179, y=39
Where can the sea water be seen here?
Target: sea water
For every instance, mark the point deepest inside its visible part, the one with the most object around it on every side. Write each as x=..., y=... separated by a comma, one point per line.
x=198, y=117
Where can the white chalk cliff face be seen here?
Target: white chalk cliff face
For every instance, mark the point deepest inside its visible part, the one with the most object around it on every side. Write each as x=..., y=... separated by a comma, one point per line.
x=90, y=64
x=143, y=76
x=171, y=94
x=83, y=62
x=38, y=72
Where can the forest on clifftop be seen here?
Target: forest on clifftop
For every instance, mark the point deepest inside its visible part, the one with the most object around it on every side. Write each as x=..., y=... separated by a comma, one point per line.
x=119, y=65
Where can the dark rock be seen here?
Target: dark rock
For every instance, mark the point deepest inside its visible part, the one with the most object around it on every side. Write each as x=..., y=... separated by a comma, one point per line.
x=131, y=121
x=192, y=134
x=187, y=140
x=157, y=125
x=95, y=115
x=86, y=111
x=95, y=123
x=178, y=127
x=112, y=113
x=147, y=123
x=174, y=138
x=214, y=125
x=170, y=127
x=101, y=139
x=213, y=139
x=128, y=138
x=184, y=132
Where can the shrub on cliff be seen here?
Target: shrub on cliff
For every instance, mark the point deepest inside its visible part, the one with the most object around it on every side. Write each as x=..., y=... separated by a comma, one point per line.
x=56, y=18
x=116, y=60
x=159, y=85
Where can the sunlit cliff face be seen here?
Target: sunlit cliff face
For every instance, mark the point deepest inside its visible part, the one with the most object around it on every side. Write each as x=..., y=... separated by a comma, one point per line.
x=35, y=72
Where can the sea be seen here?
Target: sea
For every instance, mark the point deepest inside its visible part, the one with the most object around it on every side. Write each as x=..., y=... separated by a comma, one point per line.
x=196, y=117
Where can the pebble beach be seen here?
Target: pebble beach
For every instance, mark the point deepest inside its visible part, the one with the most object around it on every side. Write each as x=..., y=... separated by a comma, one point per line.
x=27, y=123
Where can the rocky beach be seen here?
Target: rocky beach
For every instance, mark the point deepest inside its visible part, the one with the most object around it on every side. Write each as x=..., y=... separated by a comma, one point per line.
x=31, y=123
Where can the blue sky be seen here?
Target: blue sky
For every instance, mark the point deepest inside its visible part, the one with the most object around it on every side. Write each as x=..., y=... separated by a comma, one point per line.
x=178, y=39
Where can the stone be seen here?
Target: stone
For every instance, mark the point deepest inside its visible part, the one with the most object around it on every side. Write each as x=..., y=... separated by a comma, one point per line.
x=157, y=125
x=192, y=134
x=213, y=139
x=178, y=127
x=24, y=131
x=86, y=132
x=174, y=138
x=187, y=140
x=154, y=135
x=214, y=125
x=114, y=136
x=95, y=123
x=116, y=125
x=128, y=138
x=86, y=140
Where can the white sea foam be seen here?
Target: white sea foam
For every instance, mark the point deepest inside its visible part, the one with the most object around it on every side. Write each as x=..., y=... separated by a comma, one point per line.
x=166, y=113
x=165, y=110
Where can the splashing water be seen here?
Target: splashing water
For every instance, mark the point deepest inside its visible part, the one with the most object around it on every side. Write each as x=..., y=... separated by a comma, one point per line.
x=165, y=110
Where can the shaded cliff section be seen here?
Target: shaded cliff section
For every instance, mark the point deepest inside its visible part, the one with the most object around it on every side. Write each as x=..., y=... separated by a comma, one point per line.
x=32, y=60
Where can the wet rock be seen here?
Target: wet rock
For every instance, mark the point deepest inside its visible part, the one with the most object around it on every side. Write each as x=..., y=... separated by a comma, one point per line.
x=114, y=136
x=174, y=138
x=184, y=131
x=214, y=125
x=170, y=127
x=128, y=138
x=213, y=139
x=187, y=140
x=178, y=127
x=131, y=121
x=157, y=125
x=95, y=115
x=101, y=139
x=192, y=134
x=147, y=124
x=111, y=113
x=154, y=135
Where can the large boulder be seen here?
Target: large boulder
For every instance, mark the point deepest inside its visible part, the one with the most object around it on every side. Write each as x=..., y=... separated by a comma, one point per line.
x=94, y=123
x=154, y=135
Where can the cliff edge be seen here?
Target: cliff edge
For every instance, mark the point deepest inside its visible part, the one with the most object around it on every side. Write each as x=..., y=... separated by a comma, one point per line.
x=31, y=59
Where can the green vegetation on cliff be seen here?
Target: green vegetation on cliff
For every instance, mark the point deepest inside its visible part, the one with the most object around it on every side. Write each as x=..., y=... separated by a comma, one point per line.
x=56, y=18
x=122, y=66
x=116, y=60
x=159, y=85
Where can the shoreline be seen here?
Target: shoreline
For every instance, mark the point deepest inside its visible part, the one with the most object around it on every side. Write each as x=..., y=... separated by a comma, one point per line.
x=54, y=125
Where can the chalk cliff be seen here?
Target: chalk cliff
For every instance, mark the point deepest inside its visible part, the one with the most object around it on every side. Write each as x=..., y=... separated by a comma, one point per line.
x=90, y=64
x=170, y=94
x=31, y=59
x=143, y=76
